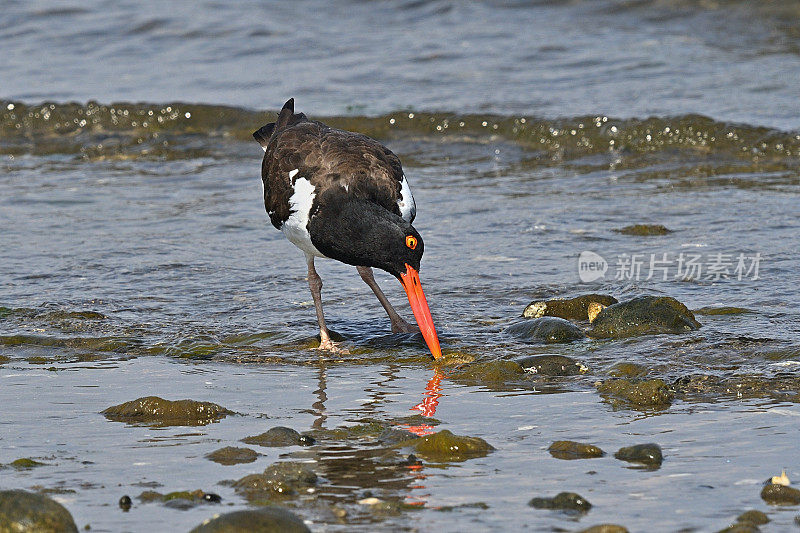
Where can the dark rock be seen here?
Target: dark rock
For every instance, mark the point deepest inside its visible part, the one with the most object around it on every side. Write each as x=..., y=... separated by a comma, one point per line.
x=231, y=455
x=569, y=449
x=754, y=517
x=646, y=454
x=644, y=315
x=445, y=446
x=394, y=435
x=152, y=410
x=775, y=494
x=551, y=365
x=638, y=394
x=570, y=309
x=279, y=436
x=262, y=520
x=605, y=528
x=125, y=503
x=27, y=512
x=564, y=501
x=547, y=329
x=644, y=230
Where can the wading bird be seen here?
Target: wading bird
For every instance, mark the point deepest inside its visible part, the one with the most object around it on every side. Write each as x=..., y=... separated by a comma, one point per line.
x=342, y=195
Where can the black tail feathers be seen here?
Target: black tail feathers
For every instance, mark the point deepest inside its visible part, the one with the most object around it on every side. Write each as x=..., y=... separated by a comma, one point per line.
x=286, y=117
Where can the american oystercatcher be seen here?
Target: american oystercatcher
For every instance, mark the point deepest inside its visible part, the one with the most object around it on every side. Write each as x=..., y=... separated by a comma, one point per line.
x=342, y=195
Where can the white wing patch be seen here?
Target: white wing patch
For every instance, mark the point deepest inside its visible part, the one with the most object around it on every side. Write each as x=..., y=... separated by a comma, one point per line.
x=296, y=226
x=293, y=173
x=408, y=209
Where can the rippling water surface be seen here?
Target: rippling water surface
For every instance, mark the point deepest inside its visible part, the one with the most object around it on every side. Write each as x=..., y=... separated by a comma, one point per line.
x=137, y=258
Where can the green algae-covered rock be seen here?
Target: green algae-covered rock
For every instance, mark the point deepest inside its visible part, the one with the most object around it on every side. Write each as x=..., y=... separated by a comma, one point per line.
x=445, y=446
x=775, y=494
x=24, y=463
x=262, y=520
x=152, y=410
x=637, y=394
x=570, y=308
x=644, y=315
x=647, y=454
x=546, y=329
x=279, y=436
x=27, y=512
x=569, y=449
x=564, y=501
x=644, y=230
x=551, y=365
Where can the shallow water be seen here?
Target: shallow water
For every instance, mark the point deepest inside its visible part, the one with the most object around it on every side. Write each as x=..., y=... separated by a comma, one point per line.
x=137, y=258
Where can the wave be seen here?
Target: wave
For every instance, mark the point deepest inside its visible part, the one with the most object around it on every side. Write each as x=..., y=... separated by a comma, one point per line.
x=181, y=130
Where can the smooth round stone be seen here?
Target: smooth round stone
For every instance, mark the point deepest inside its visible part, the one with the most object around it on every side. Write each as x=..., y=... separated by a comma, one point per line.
x=646, y=454
x=546, y=329
x=279, y=436
x=564, y=501
x=569, y=449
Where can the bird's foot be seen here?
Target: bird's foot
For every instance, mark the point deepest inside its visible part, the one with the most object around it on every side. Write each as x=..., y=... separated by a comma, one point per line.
x=328, y=345
x=401, y=326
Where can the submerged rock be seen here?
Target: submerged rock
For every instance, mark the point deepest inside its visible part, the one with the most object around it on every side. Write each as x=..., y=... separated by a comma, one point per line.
x=571, y=309
x=754, y=517
x=643, y=315
x=262, y=520
x=564, y=501
x=646, y=454
x=24, y=463
x=179, y=499
x=775, y=494
x=279, y=480
x=569, y=449
x=490, y=371
x=604, y=528
x=445, y=446
x=627, y=393
x=280, y=436
x=153, y=410
x=644, y=230
x=546, y=329
x=743, y=527
x=551, y=365
x=721, y=311
x=394, y=435
x=231, y=455
x=27, y=512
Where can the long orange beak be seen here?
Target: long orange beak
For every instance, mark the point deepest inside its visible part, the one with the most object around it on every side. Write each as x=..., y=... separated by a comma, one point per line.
x=419, y=305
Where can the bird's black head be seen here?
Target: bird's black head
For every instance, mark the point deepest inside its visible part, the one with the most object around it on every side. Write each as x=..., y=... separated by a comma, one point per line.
x=361, y=233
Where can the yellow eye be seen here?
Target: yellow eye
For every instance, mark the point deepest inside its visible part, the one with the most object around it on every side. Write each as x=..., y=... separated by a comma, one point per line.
x=411, y=241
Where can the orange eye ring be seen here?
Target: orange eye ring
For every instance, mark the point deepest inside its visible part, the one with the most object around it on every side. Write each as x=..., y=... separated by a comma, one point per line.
x=411, y=241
